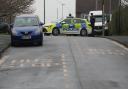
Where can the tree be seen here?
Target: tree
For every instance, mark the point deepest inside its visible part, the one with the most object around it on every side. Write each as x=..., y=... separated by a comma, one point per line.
x=13, y=7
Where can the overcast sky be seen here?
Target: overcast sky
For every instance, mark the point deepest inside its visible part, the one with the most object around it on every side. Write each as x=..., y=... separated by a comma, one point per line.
x=51, y=8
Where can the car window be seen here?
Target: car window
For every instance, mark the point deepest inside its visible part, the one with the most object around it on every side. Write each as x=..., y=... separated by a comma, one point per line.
x=77, y=21
x=82, y=21
x=67, y=21
x=26, y=21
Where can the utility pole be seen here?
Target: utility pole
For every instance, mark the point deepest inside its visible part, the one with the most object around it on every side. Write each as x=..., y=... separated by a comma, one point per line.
x=119, y=17
x=57, y=14
x=103, y=18
x=44, y=11
x=96, y=4
x=62, y=10
x=110, y=6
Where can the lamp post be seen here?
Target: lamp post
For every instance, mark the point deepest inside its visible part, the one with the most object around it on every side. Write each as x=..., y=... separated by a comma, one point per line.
x=44, y=11
x=119, y=17
x=63, y=10
x=103, y=18
x=96, y=4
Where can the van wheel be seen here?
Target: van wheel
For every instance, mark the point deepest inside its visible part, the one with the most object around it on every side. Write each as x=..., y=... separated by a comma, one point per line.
x=83, y=32
x=55, y=32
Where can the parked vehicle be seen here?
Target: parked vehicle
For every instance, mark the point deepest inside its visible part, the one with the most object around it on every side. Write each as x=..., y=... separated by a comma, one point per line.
x=4, y=27
x=69, y=26
x=99, y=26
x=26, y=29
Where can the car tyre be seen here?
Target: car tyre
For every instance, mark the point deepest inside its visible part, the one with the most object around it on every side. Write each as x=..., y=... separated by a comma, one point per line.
x=55, y=32
x=83, y=32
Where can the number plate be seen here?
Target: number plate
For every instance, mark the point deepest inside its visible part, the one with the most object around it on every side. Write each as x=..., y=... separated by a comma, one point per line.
x=26, y=37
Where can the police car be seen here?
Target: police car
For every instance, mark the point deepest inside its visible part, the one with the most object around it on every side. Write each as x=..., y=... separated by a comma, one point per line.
x=69, y=26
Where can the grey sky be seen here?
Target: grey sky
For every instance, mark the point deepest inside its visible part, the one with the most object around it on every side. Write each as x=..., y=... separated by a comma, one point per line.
x=51, y=8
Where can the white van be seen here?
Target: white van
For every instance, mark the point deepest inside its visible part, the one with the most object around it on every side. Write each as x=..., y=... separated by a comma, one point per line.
x=98, y=21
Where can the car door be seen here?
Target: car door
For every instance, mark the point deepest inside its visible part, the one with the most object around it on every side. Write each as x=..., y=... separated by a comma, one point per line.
x=77, y=25
x=66, y=25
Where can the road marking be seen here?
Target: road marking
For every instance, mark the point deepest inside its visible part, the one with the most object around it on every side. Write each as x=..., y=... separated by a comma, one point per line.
x=63, y=57
x=48, y=64
x=64, y=63
x=13, y=62
x=57, y=64
x=36, y=60
x=122, y=54
x=33, y=65
x=28, y=61
x=43, y=65
x=65, y=70
x=64, y=67
x=120, y=45
x=65, y=75
x=21, y=61
x=3, y=59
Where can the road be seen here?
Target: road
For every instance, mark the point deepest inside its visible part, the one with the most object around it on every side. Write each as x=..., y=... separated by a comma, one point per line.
x=66, y=63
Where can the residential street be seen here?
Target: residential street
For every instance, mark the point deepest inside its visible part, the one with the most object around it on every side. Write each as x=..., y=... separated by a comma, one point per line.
x=66, y=62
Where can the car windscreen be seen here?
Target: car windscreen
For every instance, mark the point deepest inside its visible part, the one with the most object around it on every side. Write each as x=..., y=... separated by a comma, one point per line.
x=26, y=21
x=98, y=18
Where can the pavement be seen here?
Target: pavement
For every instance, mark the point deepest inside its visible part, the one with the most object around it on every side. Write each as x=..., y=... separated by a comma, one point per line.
x=120, y=39
x=66, y=63
x=4, y=43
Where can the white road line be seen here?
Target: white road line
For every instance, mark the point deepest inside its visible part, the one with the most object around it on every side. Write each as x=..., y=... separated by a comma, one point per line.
x=120, y=45
x=64, y=67
x=122, y=54
x=21, y=61
x=33, y=65
x=28, y=61
x=64, y=63
x=13, y=61
x=43, y=65
x=48, y=64
x=3, y=59
x=57, y=64
x=65, y=75
x=65, y=70
x=63, y=57
x=36, y=60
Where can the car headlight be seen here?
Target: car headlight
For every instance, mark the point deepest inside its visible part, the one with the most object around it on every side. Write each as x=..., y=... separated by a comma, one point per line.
x=14, y=32
x=38, y=31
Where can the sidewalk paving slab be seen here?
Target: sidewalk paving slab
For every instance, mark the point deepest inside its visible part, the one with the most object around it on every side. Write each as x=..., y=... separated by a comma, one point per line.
x=120, y=39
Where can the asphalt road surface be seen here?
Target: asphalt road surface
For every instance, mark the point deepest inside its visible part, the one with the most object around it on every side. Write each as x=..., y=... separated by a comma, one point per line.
x=66, y=63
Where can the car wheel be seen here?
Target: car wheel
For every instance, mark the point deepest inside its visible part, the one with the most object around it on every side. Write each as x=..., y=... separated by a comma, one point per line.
x=83, y=32
x=41, y=43
x=55, y=32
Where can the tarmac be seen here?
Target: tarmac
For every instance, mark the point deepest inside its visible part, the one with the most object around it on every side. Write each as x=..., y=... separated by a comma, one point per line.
x=5, y=41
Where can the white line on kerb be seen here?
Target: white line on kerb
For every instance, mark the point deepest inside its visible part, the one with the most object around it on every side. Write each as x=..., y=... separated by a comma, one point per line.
x=120, y=45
